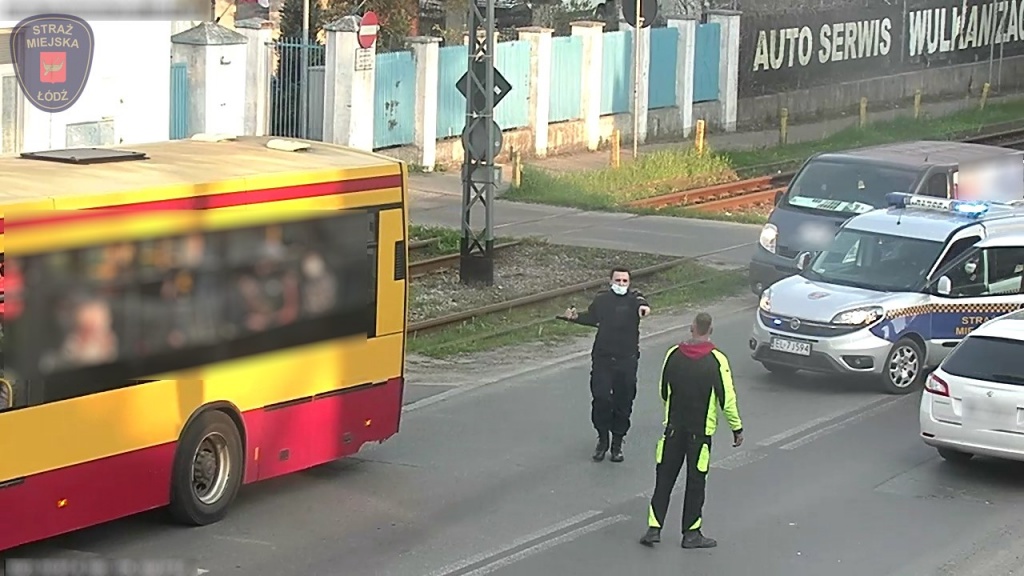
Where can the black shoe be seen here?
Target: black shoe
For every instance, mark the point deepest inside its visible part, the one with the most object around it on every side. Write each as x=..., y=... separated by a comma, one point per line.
x=651, y=537
x=617, y=449
x=602, y=447
x=694, y=539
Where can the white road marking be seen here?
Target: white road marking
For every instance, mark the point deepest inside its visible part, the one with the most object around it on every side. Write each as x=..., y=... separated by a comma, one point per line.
x=547, y=545
x=772, y=440
x=544, y=532
x=243, y=540
x=741, y=458
x=803, y=441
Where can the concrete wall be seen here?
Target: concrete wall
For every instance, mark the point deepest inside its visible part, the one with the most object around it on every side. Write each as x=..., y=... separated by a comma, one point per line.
x=952, y=81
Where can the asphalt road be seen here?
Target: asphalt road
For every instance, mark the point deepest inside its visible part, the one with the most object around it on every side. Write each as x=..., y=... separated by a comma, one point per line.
x=433, y=203
x=498, y=480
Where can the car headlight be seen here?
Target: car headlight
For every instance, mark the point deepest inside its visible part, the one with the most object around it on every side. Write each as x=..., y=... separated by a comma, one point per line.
x=769, y=234
x=859, y=316
x=766, y=300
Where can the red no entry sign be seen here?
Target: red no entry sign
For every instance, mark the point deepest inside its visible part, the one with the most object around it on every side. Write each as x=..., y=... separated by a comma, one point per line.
x=368, y=30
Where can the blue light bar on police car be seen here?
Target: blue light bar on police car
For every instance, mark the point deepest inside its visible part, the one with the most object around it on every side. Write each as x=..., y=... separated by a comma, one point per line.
x=972, y=208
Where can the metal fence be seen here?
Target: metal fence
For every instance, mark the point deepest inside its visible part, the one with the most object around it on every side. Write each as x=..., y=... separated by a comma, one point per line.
x=179, y=101
x=286, y=89
x=566, y=78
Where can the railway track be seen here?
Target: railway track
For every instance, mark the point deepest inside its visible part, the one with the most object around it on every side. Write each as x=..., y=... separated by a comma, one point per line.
x=547, y=296
x=420, y=268
x=762, y=189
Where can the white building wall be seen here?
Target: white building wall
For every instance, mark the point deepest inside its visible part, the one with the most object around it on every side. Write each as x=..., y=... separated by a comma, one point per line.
x=126, y=99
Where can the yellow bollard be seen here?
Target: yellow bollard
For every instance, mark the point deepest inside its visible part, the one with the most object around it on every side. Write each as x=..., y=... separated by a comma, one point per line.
x=698, y=140
x=616, y=158
x=863, y=111
x=517, y=169
x=917, y=104
x=984, y=94
x=783, y=126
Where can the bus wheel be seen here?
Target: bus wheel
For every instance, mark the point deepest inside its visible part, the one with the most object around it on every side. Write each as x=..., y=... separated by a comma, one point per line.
x=207, y=470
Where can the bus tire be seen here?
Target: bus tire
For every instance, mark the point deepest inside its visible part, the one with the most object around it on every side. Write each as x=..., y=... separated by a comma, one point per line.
x=207, y=471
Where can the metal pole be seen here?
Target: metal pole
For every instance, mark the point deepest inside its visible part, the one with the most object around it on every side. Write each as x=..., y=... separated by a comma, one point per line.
x=636, y=80
x=992, y=41
x=304, y=74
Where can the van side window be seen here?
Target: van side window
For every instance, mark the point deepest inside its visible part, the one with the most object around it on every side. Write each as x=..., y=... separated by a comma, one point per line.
x=958, y=248
x=937, y=186
x=1005, y=268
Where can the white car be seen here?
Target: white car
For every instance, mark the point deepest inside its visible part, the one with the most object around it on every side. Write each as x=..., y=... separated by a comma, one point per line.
x=974, y=401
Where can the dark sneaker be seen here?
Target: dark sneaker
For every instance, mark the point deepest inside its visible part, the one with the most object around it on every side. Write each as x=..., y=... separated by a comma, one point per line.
x=651, y=537
x=694, y=539
x=601, y=448
x=617, y=449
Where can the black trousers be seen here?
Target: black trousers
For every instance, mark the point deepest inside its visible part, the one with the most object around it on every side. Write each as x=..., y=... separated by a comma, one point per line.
x=674, y=449
x=612, y=390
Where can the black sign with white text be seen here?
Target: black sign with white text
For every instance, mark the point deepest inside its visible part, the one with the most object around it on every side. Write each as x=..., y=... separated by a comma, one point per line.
x=791, y=51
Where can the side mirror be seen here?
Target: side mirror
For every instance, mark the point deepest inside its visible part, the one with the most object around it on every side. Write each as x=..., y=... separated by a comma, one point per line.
x=803, y=259
x=778, y=197
x=944, y=286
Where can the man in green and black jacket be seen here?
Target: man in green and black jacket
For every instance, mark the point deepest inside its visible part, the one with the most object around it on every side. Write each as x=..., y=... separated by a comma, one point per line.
x=696, y=382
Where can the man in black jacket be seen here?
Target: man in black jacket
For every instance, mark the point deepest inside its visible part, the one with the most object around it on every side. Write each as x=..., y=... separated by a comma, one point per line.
x=616, y=313
x=696, y=381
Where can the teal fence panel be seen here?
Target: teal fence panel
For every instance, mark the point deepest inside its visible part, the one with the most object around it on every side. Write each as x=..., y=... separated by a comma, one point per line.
x=179, y=101
x=566, y=79
x=512, y=60
x=662, y=69
x=394, y=100
x=451, y=106
x=616, y=57
x=706, y=54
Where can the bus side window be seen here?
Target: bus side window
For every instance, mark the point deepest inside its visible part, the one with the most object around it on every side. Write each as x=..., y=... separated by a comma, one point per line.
x=937, y=186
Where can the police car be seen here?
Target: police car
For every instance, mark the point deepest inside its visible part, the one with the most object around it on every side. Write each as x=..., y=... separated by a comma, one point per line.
x=895, y=291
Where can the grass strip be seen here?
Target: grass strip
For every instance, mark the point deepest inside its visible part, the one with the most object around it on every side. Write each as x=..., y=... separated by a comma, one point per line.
x=448, y=240
x=688, y=284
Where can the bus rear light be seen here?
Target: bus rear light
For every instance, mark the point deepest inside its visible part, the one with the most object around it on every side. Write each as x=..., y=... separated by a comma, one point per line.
x=936, y=386
x=62, y=503
x=368, y=422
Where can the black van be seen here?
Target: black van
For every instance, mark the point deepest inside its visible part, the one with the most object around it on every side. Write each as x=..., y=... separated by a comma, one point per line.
x=831, y=187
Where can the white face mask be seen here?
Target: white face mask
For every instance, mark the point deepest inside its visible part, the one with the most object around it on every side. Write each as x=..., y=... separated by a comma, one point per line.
x=619, y=289
x=971, y=267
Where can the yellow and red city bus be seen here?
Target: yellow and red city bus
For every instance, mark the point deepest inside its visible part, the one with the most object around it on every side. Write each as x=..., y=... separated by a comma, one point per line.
x=139, y=376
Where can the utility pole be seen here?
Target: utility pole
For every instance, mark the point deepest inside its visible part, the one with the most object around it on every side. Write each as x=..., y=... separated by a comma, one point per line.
x=304, y=73
x=483, y=87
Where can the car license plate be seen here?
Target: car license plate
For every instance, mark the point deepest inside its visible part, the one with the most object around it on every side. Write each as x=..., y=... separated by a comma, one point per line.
x=791, y=346
x=989, y=414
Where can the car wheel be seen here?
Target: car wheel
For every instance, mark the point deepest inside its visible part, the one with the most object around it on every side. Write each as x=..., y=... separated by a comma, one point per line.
x=779, y=369
x=954, y=456
x=903, y=367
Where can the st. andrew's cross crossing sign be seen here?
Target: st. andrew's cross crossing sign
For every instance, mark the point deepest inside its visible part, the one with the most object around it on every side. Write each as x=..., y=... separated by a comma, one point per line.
x=368, y=27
